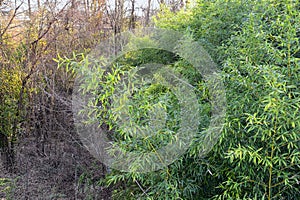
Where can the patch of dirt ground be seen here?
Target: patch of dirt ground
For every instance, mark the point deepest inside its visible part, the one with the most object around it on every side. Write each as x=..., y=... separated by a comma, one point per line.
x=65, y=170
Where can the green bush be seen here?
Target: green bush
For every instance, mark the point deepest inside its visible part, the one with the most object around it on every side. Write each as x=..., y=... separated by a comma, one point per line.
x=258, y=154
x=257, y=46
x=261, y=136
x=9, y=91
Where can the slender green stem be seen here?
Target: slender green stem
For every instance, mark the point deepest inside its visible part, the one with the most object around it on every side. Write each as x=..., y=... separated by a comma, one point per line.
x=270, y=175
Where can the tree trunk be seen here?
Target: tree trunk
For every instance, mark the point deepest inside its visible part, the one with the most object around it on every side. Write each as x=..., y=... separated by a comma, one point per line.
x=132, y=17
x=29, y=8
x=148, y=13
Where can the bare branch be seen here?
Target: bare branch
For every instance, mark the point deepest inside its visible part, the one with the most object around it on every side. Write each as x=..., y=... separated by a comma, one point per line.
x=10, y=21
x=49, y=26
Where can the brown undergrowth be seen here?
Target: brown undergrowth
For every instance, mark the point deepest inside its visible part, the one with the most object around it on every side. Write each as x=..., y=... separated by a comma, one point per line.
x=65, y=170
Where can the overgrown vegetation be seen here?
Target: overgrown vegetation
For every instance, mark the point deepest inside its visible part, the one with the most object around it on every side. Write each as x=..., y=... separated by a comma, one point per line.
x=256, y=47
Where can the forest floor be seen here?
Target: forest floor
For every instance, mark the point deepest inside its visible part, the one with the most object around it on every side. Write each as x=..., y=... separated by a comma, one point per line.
x=65, y=171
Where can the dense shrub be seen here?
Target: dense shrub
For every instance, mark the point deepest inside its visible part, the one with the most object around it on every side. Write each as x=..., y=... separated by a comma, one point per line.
x=10, y=85
x=256, y=44
x=262, y=75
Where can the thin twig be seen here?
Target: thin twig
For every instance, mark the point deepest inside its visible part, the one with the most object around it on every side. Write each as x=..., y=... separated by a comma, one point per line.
x=144, y=191
x=10, y=21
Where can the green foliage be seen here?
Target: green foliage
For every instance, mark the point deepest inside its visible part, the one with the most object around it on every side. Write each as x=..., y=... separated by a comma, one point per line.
x=257, y=46
x=262, y=132
x=7, y=187
x=10, y=84
x=258, y=154
x=3, y=182
x=211, y=22
x=147, y=98
x=11, y=74
x=11, y=112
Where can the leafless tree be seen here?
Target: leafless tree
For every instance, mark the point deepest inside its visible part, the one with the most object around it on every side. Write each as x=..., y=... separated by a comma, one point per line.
x=148, y=10
x=132, y=15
